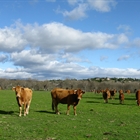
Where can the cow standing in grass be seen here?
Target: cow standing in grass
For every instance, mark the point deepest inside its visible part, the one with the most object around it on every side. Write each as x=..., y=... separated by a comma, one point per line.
x=106, y=95
x=138, y=97
x=112, y=93
x=24, y=97
x=66, y=96
x=121, y=96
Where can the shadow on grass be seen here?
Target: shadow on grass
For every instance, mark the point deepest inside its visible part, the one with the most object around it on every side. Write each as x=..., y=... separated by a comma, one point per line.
x=92, y=102
x=6, y=112
x=45, y=111
x=130, y=98
x=99, y=97
x=115, y=104
x=123, y=104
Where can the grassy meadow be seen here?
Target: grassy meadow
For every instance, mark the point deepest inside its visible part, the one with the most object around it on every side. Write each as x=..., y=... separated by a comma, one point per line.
x=95, y=119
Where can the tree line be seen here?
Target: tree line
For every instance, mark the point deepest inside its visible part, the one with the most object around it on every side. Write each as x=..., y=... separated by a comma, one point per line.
x=85, y=84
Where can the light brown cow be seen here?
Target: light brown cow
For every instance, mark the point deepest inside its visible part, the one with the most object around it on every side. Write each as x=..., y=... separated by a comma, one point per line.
x=127, y=91
x=138, y=97
x=24, y=97
x=121, y=96
x=106, y=95
x=65, y=96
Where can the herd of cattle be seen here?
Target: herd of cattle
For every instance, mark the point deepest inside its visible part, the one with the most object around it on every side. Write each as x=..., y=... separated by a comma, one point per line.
x=63, y=96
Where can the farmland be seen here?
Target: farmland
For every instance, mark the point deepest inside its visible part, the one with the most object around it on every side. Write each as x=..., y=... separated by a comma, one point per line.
x=95, y=119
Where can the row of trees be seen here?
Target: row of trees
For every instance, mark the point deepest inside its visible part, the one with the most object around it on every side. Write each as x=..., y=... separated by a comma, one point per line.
x=85, y=84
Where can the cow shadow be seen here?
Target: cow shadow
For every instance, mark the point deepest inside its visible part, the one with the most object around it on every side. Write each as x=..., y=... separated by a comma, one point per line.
x=98, y=97
x=123, y=104
x=45, y=111
x=6, y=112
x=92, y=102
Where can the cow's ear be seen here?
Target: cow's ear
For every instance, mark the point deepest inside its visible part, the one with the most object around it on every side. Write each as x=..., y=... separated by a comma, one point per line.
x=75, y=91
x=22, y=88
x=13, y=88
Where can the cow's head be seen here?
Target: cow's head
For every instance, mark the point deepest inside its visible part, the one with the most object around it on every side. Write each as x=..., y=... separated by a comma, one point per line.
x=121, y=91
x=79, y=93
x=17, y=90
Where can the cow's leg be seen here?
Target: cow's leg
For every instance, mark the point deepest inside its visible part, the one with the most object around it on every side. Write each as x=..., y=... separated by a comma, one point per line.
x=74, y=107
x=20, y=111
x=28, y=106
x=56, y=108
x=68, y=109
x=25, y=107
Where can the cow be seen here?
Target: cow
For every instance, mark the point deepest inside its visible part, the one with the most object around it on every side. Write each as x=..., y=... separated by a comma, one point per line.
x=23, y=97
x=106, y=95
x=138, y=97
x=127, y=91
x=66, y=96
x=121, y=96
x=112, y=93
x=98, y=91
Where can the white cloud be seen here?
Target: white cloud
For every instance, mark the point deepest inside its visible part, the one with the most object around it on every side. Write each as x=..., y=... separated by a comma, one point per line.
x=124, y=57
x=11, y=40
x=102, y=5
x=50, y=51
x=80, y=8
x=15, y=74
x=57, y=70
x=73, y=2
x=125, y=28
x=56, y=37
x=31, y=58
x=77, y=13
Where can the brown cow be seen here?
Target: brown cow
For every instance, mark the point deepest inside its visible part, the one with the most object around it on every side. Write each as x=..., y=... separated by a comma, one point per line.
x=112, y=93
x=138, y=97
x=24, y=97
x=121, y=96
x=64, y=96
x=106, y=95
x=127, y=91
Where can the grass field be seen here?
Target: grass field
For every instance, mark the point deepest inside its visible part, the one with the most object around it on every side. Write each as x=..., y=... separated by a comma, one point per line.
x=95, y=119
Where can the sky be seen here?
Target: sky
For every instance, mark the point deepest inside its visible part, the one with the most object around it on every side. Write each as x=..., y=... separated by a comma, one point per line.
x=69, y=39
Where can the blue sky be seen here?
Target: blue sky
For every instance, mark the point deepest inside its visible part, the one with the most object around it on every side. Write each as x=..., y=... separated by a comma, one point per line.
x=60, y=39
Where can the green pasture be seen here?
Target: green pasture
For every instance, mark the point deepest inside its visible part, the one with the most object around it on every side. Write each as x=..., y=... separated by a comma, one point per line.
x=95, y=119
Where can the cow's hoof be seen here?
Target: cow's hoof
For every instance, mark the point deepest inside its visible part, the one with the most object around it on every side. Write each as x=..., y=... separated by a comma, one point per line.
x=58, y=113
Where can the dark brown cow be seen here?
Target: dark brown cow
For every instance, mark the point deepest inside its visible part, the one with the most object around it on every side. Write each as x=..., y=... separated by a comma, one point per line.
x=112, y=93
x=98, y=91
x=121, y=96
x=106, y=95
x=138, y=97
x=24, y=97
x=64, y=96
